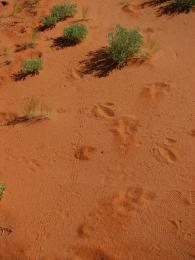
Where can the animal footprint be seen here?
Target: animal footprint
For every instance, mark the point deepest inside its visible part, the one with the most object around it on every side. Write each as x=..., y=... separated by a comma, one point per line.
x=84, y=152
x=75, y=74
x=104, y=110
x=164, y=153
x=129, y=8
x=156, y=90
x=193, y=132
x=92, y=253
x=131, y=201
x=125, y=129
x=84, y=231
x=5, y=231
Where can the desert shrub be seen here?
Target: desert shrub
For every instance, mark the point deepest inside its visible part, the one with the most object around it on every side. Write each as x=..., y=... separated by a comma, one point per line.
x=49, y=21
x=182, y=5
x=124, y=44
x=32, y=66
x=62, y=11
x=75, y=33
x=33, y=108
x=2, y=189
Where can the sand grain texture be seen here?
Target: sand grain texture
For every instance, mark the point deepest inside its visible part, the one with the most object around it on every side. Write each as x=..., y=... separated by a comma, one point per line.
x=111, y=175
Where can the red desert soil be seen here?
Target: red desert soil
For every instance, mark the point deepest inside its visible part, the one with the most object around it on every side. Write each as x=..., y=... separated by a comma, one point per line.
x=110, y=176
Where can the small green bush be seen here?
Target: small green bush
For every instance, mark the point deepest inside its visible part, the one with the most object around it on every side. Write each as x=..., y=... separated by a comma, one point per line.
x=62, y=11
x=49, y=21
x=75, y=33
x=2, y=189
x=32, y=66
x=181, y=5
x=124, y=44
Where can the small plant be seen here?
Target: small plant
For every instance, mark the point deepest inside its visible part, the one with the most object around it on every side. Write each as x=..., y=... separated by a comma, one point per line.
x=18, y=7
x=2, y=189
x=33, y=108
x=32, y=66
x=124, y=44
x=75, y=33
x=182, y=5
x=62, y=11
x=49, y=21
x=85, y=13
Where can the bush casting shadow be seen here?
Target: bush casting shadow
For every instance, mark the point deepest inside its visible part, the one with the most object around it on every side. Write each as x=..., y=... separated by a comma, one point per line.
x=98, y=63
x=168, y=7
x=22, y=75
x=61, y=42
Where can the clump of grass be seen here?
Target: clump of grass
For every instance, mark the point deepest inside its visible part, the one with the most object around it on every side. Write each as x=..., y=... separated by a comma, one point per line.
x=75, y=33
x=32, y=66
x=18, y=7
x=181, y=5
x=33, y=109
x=124, y=44
x=2, y=189
x=49, y=21
x=62, y=11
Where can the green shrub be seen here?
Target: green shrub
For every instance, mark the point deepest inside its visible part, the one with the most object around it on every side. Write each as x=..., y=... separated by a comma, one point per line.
x=2, y=189
x=75, y=33
x=62, y=11
x=181, y=5
x=124, y=44
x=32, y=66
x=49, y=21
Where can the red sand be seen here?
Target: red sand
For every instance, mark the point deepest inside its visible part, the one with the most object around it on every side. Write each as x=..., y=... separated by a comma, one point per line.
x=111, y=175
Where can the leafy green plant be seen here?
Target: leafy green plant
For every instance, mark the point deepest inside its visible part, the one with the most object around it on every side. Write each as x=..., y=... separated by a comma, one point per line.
x=32, y=66
x=124, y=44
x=33, y=108
x=49, y=21
x=2, y=189
x=75, y=33
x=62, y=11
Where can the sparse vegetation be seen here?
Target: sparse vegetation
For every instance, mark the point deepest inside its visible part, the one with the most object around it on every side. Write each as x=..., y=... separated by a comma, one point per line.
x=33, y=109
x=75, y=33
x=32, y=66
x=62, y=11
x=18, y=7
x=58, y=13
x=181, y=5
x=124, y=44
x=2, y=189
x=49, y=21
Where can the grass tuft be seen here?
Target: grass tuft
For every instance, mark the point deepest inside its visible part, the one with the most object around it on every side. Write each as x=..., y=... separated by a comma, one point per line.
x=32, y=66
x=2, y=189
x=75, y=33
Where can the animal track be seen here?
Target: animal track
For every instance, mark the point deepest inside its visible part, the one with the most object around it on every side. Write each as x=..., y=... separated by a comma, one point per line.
x=131, y=201
x=164, y=153
x=193, y=132
x=84, y=231
x=92, y=253
x=104, y=110
x=84, y=152
x=125, y=129
x=156, y=90
x=129, y=8
x=5, y=231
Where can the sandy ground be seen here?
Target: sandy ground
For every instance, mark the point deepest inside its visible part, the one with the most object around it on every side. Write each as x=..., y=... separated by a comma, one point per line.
x=110, y=176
